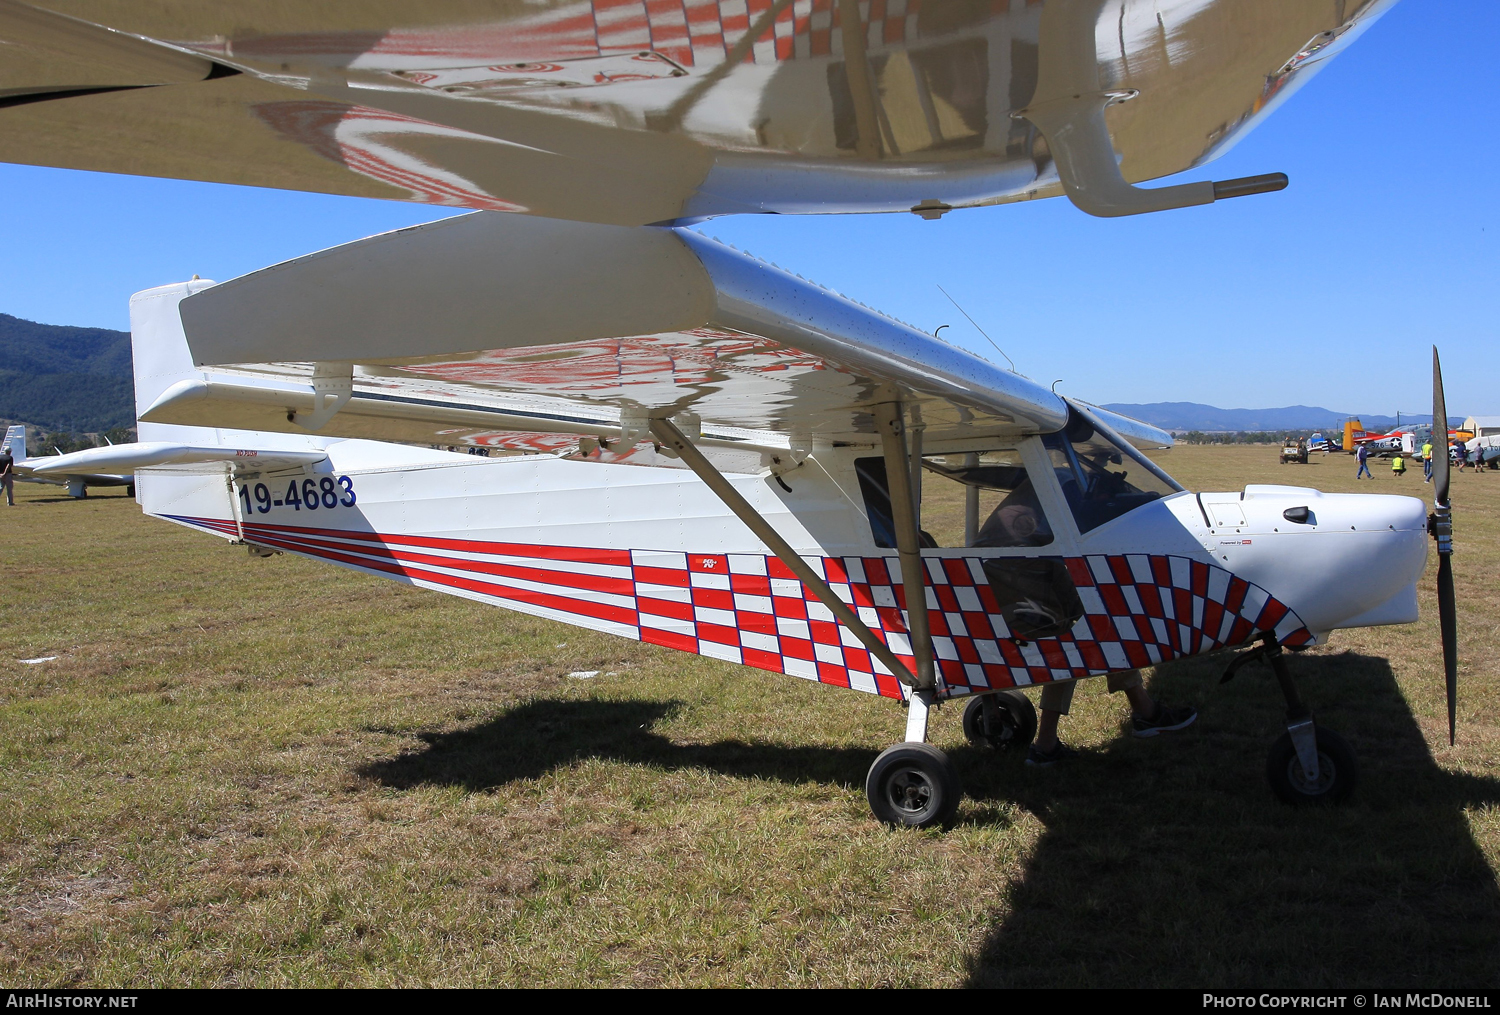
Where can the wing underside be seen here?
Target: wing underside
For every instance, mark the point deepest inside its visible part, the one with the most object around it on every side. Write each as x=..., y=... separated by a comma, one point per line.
x=483, y=326
x=633, y=112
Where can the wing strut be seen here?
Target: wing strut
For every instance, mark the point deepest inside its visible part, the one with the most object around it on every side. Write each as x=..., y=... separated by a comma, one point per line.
x=666, y=431
x=898, y=471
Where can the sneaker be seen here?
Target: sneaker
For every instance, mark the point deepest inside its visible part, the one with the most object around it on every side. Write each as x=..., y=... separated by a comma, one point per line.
x=1037, y=758
x=1166, y=719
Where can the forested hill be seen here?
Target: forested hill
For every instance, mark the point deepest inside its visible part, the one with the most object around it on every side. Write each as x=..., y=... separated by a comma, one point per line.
x=61, y=378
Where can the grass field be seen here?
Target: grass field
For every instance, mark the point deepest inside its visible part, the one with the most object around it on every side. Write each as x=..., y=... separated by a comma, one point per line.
x=275, y=772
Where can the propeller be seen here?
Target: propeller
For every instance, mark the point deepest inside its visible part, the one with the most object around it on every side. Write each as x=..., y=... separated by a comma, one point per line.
x=1442, y=530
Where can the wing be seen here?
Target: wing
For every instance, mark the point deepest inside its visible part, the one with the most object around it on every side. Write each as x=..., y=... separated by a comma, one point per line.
x=123, y=459
x=484, y=324
x=633, y=112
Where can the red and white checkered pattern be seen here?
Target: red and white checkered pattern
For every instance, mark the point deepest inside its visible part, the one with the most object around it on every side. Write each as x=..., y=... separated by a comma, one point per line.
x=1140, y=609
x=693, y=33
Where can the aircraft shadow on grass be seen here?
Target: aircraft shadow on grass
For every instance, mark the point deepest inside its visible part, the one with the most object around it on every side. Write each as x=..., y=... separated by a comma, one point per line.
x=1167, y=862
x=1164, y=862
x=543, y=734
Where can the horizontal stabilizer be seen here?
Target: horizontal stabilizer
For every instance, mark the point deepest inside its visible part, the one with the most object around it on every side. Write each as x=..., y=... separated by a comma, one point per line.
x=125, y=458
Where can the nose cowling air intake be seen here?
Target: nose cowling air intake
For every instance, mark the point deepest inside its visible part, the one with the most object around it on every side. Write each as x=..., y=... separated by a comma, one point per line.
x=1338, y=560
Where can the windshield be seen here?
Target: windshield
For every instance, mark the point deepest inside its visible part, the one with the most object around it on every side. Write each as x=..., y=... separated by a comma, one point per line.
x=1102, y=480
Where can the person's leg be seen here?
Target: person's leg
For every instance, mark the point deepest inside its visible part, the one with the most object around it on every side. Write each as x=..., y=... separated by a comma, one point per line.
x=1129, y=681
x=10, y=490
x=1056, y=700
x=1148, y=717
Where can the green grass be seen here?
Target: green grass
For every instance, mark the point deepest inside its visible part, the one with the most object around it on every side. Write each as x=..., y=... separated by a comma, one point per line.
x=274, y=772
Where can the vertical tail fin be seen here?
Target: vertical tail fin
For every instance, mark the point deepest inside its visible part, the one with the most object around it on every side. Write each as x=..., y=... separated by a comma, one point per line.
x=160, y=353
x=15, y=443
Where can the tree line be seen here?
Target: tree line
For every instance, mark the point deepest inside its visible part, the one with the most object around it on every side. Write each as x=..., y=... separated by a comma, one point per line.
x=1253, y=436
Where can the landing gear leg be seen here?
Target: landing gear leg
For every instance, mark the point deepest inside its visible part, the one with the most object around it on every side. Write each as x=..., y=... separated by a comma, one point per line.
x=914, y=784
x=1307, y=764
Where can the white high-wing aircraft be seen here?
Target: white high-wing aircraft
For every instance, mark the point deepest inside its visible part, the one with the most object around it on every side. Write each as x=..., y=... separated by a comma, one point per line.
x=77, y=475
x=726, y=458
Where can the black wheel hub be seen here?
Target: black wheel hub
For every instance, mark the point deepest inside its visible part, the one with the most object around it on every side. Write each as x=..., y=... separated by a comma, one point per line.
x=1328, y=774
x=910, y=790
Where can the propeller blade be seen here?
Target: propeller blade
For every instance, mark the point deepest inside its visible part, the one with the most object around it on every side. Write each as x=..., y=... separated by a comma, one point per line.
x=1439, y=434
x=1442, y=531
x=1448, y=622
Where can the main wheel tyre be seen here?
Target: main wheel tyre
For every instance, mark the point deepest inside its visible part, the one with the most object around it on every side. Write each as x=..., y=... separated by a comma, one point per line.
x=1005, y=721
x=913, y=785
x=1338, y=771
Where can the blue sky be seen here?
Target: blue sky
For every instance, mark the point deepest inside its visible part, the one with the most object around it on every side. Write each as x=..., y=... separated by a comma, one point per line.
x=1329, y=293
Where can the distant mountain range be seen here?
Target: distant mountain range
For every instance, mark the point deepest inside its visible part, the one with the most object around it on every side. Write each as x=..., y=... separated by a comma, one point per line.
x=60, y=378
x=1195, y=416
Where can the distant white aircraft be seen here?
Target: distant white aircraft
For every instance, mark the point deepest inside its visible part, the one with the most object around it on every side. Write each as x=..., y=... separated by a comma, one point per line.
x=77, y=476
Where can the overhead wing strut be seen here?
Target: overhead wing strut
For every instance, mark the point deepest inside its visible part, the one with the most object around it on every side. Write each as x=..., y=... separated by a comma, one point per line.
x=898, y=471
x=666, y=432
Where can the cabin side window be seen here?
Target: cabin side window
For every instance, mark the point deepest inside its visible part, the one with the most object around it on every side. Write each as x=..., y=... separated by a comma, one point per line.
x=976, y=499
x=987, y=499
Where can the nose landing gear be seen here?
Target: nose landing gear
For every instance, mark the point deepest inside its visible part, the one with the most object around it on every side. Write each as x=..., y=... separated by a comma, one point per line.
x=1307, y=764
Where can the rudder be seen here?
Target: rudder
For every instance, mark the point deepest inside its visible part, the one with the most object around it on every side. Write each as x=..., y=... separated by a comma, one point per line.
x=15, y=443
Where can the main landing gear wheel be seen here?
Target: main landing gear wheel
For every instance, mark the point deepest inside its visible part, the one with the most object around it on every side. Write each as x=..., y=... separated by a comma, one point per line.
x=1338, y=771
x=1005, y=721
x=913, y=785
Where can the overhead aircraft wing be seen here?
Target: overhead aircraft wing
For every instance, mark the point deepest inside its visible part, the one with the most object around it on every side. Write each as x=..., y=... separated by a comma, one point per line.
x=487, y=323
x=634, y=111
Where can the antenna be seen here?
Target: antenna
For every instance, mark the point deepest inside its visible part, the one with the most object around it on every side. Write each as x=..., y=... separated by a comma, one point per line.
x=977, y=328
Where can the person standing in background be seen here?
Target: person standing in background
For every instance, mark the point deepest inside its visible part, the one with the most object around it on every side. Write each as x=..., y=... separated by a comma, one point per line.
x=1362, y=455
x=8, y=476
x=1427, y=462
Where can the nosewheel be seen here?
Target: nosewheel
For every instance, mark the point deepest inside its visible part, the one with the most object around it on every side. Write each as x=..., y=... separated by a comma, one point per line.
x=913, y=785
x=1338, y=770
x=1005, y=721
